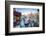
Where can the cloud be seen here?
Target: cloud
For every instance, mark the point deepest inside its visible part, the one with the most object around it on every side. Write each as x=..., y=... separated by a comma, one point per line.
x=26, y=10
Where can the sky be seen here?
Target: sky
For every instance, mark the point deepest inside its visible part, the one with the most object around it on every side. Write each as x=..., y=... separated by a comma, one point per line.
x=26, y=10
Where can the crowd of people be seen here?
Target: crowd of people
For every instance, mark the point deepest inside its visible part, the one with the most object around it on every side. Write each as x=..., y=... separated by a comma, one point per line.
x=26, y=22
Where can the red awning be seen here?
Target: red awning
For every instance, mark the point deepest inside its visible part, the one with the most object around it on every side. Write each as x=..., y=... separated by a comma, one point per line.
x=17, y=13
